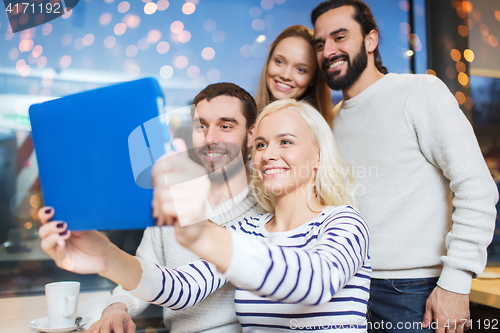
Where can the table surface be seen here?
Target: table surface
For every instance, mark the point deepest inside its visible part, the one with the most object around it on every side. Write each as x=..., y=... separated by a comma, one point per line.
x=17, y=312
x=486, y=291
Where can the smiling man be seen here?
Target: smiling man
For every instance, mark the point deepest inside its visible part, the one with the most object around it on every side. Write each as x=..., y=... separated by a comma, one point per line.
x=223, y=124
x=412, y=131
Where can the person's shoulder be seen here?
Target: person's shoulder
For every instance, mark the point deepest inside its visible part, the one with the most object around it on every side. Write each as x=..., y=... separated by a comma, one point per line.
x=342, y=214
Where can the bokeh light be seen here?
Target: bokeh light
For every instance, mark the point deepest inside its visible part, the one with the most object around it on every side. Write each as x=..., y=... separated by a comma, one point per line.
x=267, y=4
x=181, y=62
x=41, y=62
x=431, y=72
x=493, y=40
x=176, y=27
x=461, y=12
x=460, y=97
x=39, y=19
x=67, y=14
x=133, y=71
x=120, y=29
x=143, y=44
x=166, y=72
x=162, y=47
x=13, y=54
x=208, y=53
x=109, y=42
x=131, y=51
x=154, y=36
x=88, y=39
x=260, y=39
x=469, y=55
x=188, y=8
x=460, y=67
x=150, y=8
x=497, y=15
x=27, y=34
x=26, y=45
x=162, y=5
x=184, y=36
x=255, y=12
x=404, y=28
x=9, y=34
x=467, y=6
x=193, y=72
x=123, y=7
x=105, y=18
x=46, y=29
x=132, y=21
x=455, y=55
x=26, y=71
x=463, y=31
x=485, y=31
x=469, y=103
x=20, y=64
x=37, y=51
x=47, y=78
x=258, y=25
x=65, y=61
x=404, y=5
x=463, y=79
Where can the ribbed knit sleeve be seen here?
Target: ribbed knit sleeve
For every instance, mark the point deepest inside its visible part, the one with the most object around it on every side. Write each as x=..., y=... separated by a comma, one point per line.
x=447, y=141
x=178, y=288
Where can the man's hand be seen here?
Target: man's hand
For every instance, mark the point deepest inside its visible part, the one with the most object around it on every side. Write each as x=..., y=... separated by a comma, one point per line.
x=114, y=317
x=449, y=310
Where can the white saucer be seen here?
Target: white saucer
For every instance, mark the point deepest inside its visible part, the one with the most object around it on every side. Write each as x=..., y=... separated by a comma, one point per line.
x=42, y=324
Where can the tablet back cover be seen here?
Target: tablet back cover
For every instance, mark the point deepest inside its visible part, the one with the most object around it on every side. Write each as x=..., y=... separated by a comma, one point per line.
x=81, y=143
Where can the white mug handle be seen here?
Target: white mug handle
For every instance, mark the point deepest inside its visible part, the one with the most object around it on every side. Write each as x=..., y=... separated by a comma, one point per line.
x=71, y=306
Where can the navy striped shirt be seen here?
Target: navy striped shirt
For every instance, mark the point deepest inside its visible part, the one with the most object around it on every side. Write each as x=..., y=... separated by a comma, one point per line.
x=315, y=277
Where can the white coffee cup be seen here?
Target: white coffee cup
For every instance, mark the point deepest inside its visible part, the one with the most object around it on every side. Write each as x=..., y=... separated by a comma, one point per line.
x=62, y=303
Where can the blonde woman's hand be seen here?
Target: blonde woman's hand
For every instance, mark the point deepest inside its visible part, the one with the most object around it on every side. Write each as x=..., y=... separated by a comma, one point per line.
x=180, y=194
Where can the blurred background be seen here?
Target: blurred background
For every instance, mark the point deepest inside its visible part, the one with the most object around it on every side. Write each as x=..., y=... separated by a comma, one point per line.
x=187, y=45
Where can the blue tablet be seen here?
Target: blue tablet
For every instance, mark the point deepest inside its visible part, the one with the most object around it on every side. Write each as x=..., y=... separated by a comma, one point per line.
x=95, y=150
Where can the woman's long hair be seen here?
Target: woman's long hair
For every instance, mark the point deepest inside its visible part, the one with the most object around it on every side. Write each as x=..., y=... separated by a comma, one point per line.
x=317, y=94
x=334, y=183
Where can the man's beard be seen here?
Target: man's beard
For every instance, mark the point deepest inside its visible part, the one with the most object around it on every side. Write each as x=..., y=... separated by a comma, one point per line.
x=354, y=70
x=227, y=167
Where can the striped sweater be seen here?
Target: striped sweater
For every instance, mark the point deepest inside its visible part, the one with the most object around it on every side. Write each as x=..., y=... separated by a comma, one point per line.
x=216, y=313
x=315, y=277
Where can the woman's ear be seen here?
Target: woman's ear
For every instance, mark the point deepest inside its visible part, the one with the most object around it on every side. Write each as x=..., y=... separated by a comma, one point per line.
x=371, y=41
x=250, y=136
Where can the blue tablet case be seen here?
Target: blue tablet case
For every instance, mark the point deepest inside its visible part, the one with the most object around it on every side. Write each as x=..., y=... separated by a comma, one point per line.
x=82, y=144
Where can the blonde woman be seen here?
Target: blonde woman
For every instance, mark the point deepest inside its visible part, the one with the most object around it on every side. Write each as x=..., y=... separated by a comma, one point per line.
x=304, y=264
x=291, y=71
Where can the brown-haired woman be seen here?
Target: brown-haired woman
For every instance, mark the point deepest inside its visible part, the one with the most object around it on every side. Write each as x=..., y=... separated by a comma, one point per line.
x=291, y=71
